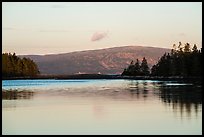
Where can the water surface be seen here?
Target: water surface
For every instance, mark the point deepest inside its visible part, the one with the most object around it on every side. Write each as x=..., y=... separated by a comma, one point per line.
x=101, y=107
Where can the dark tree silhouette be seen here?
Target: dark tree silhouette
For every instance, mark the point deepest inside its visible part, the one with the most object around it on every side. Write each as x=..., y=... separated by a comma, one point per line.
x=144, y=67
x=137, y=69
x=13, y=66
x=183, y=61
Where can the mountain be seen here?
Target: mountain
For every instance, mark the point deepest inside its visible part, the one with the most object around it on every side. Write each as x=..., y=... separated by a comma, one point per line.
x=104, y=61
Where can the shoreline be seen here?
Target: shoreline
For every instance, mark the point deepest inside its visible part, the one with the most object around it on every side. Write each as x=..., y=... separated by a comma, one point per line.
x=101, y=76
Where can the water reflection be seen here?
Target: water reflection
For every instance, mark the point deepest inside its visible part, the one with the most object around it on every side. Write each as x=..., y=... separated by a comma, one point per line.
x=180, y=96
x=15, y=95
x=142, y=89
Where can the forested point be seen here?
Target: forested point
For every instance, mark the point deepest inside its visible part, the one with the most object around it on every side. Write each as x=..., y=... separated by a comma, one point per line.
x=137, y=69
x=13, y=66
x=182, y=61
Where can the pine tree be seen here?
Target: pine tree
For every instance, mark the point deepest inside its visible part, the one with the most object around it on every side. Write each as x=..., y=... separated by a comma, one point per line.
x=13, y=66
x=180, y=47
x=137, y=70
x=154, y=70
x=187, y=47
x=195, y=49
x=179, y=62
x=144, y=67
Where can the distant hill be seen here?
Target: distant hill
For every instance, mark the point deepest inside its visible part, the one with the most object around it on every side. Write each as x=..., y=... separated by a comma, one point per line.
x=104, y=61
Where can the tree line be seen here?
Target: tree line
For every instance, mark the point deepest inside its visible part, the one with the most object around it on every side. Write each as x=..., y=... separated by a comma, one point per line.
x=181, y=61
x=13, y=66
x=137, y=69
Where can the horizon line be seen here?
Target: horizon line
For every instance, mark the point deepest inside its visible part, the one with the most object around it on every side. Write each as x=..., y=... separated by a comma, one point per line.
x=92, y=50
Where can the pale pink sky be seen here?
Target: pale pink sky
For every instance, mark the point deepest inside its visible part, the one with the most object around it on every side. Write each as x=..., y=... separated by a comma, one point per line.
x=44, y=28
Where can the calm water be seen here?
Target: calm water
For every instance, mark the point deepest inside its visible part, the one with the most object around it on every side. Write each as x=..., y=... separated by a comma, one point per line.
x=101, y=107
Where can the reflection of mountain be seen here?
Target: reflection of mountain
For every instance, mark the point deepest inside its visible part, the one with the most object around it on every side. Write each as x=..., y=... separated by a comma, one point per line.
x=182, y=98
x=14, y=94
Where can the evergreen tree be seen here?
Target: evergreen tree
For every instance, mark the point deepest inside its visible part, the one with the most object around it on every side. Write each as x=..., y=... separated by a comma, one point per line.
x=144, y=67
x=195, y=49
x=131, y=68
x=137, y=70
x=154, y=70
x=185, y=62
x=180, y=47
x=124, y=73
x=187, y=47
x=13, y=66
x=182, y=61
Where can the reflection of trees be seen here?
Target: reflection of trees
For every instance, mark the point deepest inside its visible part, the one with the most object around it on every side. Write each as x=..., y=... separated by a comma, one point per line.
x=14, y=94
x=140, y=89
x=145, y=89
x=181, y=98
x=134, y=89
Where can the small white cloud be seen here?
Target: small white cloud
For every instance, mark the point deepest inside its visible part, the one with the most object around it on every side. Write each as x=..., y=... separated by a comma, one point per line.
x=98, y=36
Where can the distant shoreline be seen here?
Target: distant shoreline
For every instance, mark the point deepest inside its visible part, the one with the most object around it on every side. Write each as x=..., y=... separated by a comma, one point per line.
x=101, y=76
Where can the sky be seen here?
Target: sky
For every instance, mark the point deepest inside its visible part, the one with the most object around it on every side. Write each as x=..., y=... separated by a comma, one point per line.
x=61, y=27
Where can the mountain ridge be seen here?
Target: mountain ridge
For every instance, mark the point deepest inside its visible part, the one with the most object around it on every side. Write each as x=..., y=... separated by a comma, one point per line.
x=90, y=50
x=106, y=61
